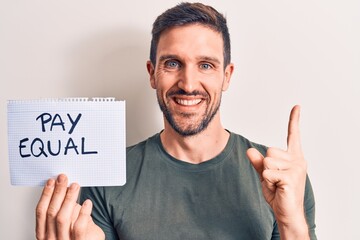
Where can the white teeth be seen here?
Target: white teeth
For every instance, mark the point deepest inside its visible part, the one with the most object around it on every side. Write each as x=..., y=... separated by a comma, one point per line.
x=188, y=102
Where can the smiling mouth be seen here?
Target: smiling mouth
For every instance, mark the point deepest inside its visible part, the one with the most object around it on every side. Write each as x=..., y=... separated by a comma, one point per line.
x=188, y=102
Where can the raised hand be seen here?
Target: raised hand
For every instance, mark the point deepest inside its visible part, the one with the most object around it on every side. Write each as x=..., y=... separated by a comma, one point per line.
x=283, y=177
x=59, y=216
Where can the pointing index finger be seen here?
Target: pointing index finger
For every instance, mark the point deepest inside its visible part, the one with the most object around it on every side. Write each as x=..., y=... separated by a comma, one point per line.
x=293, y=139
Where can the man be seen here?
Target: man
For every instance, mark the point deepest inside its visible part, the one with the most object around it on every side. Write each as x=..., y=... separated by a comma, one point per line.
x=195, y=179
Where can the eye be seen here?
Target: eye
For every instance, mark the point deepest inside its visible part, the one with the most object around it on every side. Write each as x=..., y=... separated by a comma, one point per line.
x=206, y=66
x=172, y=64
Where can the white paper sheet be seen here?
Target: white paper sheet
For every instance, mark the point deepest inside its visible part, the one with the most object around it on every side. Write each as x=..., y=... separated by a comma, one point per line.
x=85, y=139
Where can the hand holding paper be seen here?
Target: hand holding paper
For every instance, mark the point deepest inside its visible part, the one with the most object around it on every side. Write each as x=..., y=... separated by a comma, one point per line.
x=58, y=216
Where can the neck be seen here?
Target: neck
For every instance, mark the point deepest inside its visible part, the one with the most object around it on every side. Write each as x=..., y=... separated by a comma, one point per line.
x=197, y=148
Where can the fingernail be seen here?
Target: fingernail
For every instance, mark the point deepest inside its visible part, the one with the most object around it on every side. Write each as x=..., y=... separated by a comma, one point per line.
x=50, y=183
x=74, y=187
x=61, y=178
x=87, y=203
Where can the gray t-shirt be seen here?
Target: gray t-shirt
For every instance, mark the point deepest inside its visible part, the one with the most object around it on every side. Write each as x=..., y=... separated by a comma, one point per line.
x=165, y=198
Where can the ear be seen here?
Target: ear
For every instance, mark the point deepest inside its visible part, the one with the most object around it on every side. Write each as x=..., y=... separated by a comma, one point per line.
x=151, y=70
x=228, y=73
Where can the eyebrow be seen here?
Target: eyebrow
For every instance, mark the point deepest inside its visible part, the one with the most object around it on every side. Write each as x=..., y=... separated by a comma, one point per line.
x=202, y=58
x=210, y=59
x=168, y=56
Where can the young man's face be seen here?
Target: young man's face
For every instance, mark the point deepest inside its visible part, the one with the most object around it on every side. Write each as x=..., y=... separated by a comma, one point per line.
x=189, y=76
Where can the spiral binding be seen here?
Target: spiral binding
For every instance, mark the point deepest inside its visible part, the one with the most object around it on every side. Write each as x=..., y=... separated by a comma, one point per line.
x=70, y=99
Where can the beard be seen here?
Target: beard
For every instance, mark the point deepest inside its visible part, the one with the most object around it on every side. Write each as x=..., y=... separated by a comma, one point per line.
x=191, y=127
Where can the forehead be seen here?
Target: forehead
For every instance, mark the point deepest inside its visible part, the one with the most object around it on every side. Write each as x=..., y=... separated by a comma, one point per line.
x=191, y=40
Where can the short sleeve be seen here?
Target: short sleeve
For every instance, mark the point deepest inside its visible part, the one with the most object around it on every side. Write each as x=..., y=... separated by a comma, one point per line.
x=309, y=205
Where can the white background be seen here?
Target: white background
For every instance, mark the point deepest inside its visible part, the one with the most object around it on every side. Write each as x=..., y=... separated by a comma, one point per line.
x=285, y=52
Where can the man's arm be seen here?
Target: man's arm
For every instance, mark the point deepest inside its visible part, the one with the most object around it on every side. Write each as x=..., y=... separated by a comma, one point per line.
x=283, y=178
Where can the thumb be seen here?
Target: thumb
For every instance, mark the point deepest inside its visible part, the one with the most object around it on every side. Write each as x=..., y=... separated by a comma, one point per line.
x=256, y=159
x=83, y=220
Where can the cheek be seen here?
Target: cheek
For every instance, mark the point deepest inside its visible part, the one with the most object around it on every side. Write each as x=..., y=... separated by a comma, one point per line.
x=164, y=81
x=214, y=87
x=160, y=78
x=161, y=90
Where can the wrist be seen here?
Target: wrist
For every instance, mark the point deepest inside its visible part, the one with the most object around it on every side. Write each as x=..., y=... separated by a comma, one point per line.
x=298, y=230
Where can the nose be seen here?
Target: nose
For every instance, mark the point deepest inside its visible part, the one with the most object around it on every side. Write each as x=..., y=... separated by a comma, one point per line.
x=188, y=79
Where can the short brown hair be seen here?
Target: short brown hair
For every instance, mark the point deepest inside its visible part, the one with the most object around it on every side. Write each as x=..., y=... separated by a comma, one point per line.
x=190, y=13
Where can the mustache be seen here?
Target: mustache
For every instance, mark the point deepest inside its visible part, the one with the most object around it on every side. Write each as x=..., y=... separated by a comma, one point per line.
x=184, y=93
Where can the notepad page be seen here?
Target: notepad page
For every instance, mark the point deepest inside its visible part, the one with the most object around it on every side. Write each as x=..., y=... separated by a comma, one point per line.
x=83, y=138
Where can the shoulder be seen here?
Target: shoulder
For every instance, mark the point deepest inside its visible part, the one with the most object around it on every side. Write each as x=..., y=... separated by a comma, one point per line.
x=138, y=149
x=135, y=153
x=245, y=143
x=134, y=157
x=105, y=197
